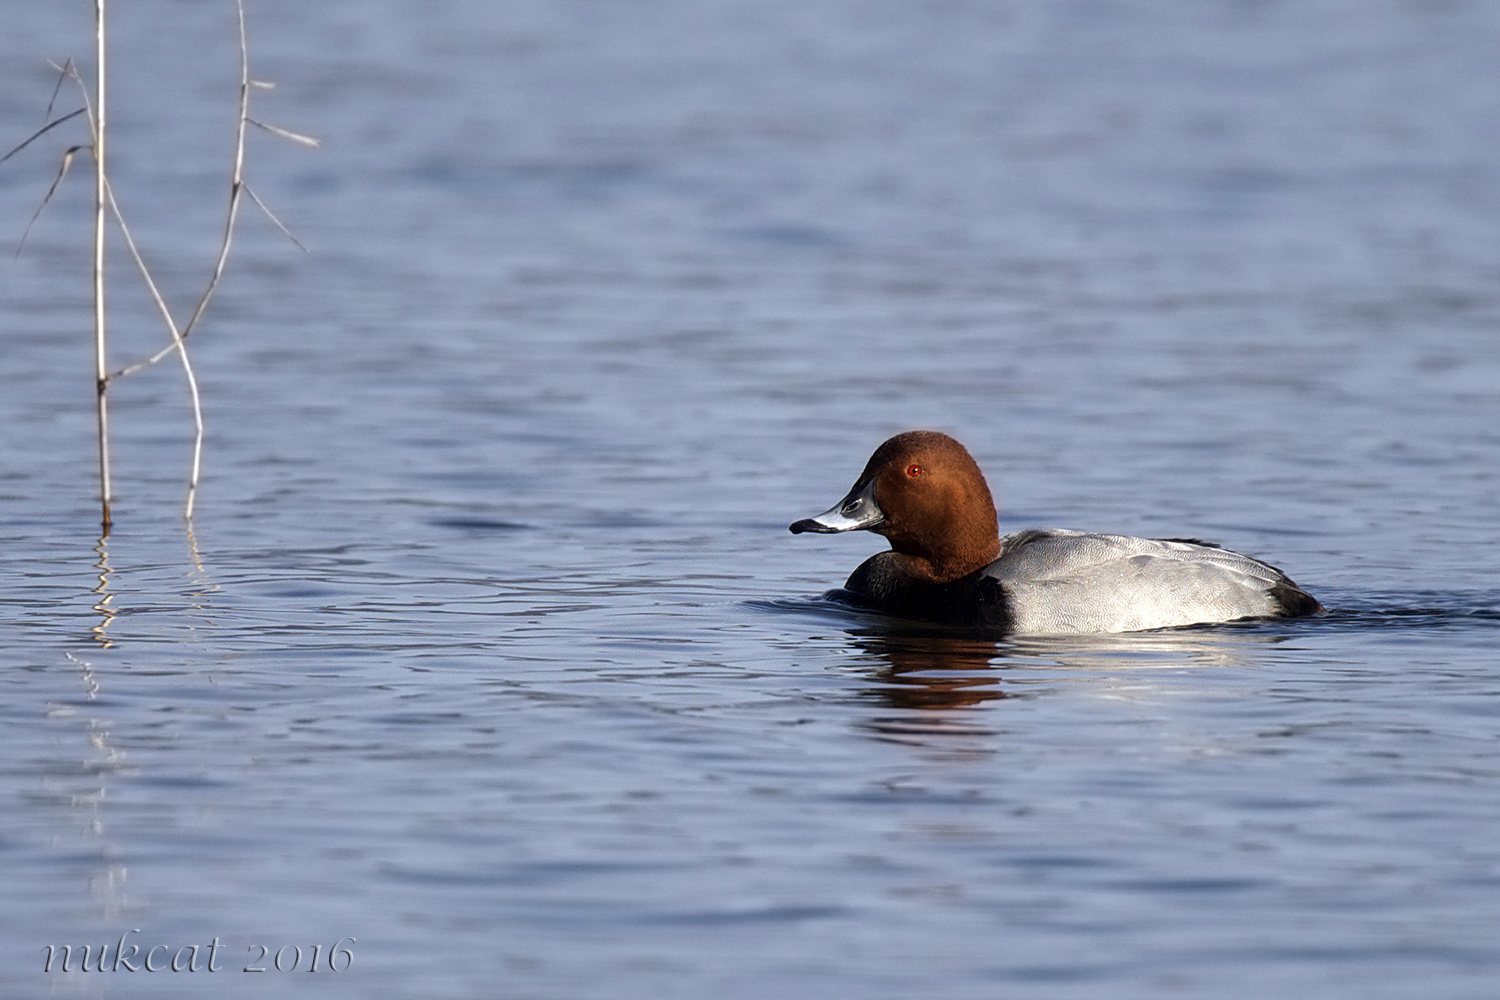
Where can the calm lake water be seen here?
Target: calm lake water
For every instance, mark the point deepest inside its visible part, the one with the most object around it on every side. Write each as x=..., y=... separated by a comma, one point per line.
x=489, y=660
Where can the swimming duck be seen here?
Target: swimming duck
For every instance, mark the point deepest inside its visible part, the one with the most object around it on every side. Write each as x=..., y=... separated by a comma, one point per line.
x=948, y=563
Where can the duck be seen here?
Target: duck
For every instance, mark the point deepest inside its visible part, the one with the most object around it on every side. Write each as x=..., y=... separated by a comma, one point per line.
x=948, y=562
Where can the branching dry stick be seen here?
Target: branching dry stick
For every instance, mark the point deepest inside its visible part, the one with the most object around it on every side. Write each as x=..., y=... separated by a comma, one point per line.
x=107, y=199
x=166, y=314
x=181, y=348
x=104, y=200
x=238, y=187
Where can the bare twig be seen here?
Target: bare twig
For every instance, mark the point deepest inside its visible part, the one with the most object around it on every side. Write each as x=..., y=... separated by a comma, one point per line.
x=272, y=216
x=101, y=193
x=297, y=137
x=105, y=205
x=237, y=188
x=93, y=112
x=177, y=344
x=105, y=199
x=41, y=132
x=62, y=77
x=62, y=171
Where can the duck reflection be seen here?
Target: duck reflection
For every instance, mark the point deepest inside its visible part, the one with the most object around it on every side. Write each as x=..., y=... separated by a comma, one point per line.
x=929, y=681
x=933, y=671
x=927, y=685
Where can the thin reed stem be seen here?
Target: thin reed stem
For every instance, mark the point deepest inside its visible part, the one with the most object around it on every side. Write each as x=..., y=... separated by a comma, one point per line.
x=101, y=196
x=236, y=178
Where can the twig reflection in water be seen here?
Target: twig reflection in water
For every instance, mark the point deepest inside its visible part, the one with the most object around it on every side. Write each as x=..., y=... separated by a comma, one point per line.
x=100, y=632
x=84, y=783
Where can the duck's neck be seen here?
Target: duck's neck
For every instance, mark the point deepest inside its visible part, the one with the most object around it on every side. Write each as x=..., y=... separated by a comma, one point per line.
x=950, y=563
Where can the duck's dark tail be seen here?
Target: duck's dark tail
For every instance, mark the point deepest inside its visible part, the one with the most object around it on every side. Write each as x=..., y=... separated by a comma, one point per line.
x=1294, y=602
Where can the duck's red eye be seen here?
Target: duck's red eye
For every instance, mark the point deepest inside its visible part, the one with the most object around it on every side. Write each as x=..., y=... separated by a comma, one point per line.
x=913, y=471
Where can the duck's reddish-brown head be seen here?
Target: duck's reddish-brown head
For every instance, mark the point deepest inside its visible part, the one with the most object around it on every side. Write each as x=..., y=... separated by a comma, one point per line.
x=924, y=492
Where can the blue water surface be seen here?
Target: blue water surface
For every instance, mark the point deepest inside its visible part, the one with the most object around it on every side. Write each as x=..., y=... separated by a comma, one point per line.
x=488, y=660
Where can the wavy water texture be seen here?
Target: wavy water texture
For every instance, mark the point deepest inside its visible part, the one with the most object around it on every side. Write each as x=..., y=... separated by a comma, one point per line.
x=490, y=649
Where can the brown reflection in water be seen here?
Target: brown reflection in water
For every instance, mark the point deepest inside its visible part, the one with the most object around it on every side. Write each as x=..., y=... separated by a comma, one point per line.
x=934, y=671
x=928, y=686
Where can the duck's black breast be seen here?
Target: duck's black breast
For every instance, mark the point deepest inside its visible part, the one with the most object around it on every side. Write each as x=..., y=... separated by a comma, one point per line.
x=977, y=600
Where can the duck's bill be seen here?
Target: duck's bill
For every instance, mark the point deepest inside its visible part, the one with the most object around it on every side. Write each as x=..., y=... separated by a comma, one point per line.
x=857, y=510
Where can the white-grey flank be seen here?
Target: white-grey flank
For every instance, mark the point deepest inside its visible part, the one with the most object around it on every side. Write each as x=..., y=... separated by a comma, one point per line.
x=1060, y=581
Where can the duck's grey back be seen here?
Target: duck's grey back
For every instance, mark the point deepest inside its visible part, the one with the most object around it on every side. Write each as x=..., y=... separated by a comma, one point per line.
x=1061, y=581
